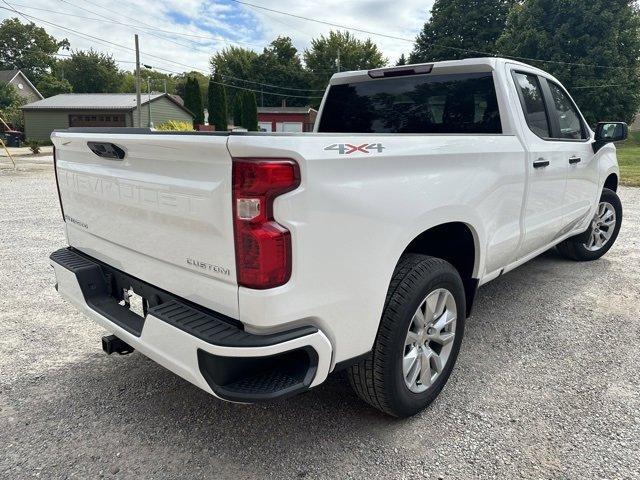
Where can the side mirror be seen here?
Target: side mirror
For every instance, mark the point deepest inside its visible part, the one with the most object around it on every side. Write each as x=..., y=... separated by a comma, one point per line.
x=608, y=132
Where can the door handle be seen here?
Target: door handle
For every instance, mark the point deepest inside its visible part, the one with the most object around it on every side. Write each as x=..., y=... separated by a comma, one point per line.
x=574, y=160
x=541, y=163
x=106, y=150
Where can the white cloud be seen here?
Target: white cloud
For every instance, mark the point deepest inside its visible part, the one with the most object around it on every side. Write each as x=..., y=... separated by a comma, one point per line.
x=400, y=19
x=216, y=24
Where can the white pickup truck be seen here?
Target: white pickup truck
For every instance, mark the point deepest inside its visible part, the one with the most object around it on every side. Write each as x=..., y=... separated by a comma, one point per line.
x=253, y=265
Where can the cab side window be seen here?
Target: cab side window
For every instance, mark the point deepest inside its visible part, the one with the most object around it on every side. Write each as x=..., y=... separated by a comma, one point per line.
x=569, y=123
x=532, y=102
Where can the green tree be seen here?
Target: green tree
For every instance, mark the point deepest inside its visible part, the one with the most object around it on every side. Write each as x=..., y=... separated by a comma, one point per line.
x=193, y=100
x=90, y=72
x=250, y=112
x=461, y=29
x=217, y=104
x=28, y=48
x=10, y=103
x=402, y=60
x=573, y=36
x=180, y=82
x=158, y=81
x=235, y=64
x=49, y=85
x=280, y=65
x=237, y=109
x=321, y=58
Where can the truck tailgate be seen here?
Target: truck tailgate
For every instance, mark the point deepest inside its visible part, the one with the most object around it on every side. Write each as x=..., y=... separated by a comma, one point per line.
x=162, y=213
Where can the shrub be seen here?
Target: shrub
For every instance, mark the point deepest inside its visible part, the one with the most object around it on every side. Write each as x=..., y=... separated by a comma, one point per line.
x=176, y=126
x=34, y=145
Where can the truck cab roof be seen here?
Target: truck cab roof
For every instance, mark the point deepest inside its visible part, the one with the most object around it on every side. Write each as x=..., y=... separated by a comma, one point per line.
x=479, y=64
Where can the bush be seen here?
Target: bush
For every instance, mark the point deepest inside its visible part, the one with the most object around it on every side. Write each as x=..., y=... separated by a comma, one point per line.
x=176, y=126
x=34, y=145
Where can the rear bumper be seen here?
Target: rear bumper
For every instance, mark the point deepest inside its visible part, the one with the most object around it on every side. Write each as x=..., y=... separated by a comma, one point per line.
x=206, y=348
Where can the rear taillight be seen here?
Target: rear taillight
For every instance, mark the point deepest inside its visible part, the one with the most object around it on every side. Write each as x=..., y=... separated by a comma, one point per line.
x=55, y=172
x=263, y=246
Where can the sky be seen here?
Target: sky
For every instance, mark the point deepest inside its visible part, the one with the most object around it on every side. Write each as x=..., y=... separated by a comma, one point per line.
x=188, y=32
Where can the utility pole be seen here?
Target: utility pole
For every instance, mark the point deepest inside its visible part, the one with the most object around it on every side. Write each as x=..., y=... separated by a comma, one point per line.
x=138, y=83
x=164, y=81
x=338, y=60
x=149, y=99
x=261, y=97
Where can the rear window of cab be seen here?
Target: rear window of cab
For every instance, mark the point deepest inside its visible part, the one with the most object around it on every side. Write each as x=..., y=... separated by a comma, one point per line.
x=452, y=103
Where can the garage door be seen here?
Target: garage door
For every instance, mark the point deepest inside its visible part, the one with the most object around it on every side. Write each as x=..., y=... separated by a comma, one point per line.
x=289, y=127
x=106, y=120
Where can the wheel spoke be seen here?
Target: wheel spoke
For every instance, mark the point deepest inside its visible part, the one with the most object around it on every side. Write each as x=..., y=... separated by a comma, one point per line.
x=425, y=367
x=444, y=338
x=413, y=373
x=431, y=304
x=440, y=304
x=412, y=338
x=437, y=363
x=409, y=360
x=418, y=320
x=444, y=321
x=607, y=216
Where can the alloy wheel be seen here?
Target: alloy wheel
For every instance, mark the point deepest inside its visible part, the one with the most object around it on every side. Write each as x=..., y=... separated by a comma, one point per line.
x=429, y=340
x=602, y=227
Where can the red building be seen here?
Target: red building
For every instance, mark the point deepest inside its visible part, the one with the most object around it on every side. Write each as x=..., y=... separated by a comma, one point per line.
x=286, y=119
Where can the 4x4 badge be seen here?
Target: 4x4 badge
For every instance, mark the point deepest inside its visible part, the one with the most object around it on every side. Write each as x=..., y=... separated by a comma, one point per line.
x=349, y=148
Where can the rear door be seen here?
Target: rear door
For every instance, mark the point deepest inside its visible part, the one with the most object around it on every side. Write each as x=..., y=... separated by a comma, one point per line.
x=572, y=138
x=162, y=213
x=546, y=167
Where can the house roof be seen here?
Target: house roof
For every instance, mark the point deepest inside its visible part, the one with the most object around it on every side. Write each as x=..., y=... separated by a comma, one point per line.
x=110, y=101
x=7, y=75
x=98, y=101
x=298, y=110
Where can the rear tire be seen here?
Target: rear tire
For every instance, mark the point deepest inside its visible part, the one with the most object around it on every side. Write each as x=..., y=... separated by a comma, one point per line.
x=602, y=233
x=418, y=340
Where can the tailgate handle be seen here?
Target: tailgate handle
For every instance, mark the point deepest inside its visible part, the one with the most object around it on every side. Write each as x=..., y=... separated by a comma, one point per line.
x=106, y=150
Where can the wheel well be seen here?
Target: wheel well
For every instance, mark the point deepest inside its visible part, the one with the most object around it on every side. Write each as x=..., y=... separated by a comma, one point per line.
x=611, y=182
x=453, y=242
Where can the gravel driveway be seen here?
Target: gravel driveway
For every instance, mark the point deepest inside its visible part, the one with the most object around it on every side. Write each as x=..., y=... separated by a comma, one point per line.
x=546, y=386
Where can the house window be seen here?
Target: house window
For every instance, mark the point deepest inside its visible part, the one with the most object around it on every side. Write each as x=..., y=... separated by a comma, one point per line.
x=77, y=120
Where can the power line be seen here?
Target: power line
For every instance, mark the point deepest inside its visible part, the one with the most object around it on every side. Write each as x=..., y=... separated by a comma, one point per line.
x=281, y=94
x=105, y=18
x=245, y=88
x=146, y=29
x=301, y=17
x=271, y=85
x=393, y=37
x=172, y=32
x=599, y=86
x=226, y=76
x=161, y=58
x=188, y=46
x=331, y=24
x=181, y=44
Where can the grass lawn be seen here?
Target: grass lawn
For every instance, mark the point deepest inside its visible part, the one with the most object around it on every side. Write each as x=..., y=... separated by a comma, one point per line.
x=629, y=160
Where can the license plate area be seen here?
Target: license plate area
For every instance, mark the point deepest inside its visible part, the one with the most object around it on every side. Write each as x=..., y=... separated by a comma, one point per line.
x=134, y=302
